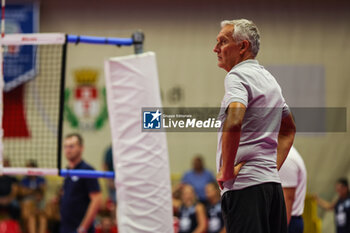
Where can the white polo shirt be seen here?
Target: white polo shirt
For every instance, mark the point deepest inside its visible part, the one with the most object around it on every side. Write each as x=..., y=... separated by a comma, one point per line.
x=253, y=86
x=293, y=175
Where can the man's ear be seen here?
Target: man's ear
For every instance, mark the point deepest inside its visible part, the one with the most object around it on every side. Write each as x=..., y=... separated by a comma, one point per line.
x=244, y=47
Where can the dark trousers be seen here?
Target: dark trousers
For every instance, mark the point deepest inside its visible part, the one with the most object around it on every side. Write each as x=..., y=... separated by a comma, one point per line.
x=256, y=209
x=296, y=225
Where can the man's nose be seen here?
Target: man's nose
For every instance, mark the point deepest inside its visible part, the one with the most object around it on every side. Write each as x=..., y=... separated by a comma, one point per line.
x=216, y=49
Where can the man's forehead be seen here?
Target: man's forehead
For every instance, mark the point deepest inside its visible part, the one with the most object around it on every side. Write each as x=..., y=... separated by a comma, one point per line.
x=226, y=31
x=71, y=140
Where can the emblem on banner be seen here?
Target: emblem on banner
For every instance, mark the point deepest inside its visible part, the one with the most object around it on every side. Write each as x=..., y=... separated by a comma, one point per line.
x=89, y=104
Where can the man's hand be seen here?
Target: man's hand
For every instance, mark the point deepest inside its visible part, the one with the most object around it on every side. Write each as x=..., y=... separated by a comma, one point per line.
x=221, y=177
x=91, y=212
x=81, y=230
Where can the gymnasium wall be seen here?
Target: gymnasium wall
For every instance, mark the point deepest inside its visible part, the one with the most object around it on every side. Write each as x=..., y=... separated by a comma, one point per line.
x=182, y=33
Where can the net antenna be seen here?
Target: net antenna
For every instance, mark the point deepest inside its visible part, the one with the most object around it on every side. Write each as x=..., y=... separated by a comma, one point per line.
x=47, y=44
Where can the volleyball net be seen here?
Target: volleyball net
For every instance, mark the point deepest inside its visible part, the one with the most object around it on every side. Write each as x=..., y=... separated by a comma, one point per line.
x=34, y=67
x=34, y=74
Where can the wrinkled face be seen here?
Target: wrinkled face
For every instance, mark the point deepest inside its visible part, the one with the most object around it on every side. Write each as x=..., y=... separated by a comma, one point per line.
x=210, y=191
x=72, y=148
x=227, y=50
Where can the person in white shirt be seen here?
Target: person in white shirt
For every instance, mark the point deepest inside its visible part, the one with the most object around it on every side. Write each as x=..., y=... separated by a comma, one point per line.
x=257, y=132
x=293, y=177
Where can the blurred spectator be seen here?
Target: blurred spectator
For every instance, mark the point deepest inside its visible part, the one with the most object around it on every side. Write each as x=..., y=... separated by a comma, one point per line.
x=9, y=226
x=215, y=220
x=293, y=178
x=9, y=206
x=106, y=225
x=52, y=211
x=341, y=206
x=107, y=215
x=198, y=178
x=108, y=166
x=176, y=198
x=33, y=192
x=191, y=214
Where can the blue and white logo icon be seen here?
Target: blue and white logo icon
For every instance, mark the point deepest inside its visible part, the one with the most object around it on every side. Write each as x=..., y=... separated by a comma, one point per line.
x=152, y=120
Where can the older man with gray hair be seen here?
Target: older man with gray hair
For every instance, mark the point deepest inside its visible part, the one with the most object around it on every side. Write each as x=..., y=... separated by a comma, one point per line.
x=256, y=135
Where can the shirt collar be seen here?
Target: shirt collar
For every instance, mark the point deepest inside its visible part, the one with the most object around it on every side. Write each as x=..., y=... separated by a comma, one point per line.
x=248, y=61
x=78, y=165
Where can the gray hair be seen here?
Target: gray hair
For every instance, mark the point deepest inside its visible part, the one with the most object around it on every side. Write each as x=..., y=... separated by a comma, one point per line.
x=245, y=30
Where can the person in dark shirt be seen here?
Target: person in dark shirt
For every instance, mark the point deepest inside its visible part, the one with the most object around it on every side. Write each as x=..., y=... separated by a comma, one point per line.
x=8, y=193
x=341, y=206
x=81, y=197
x=215, y=220
x=191, y=214
x=32, y=189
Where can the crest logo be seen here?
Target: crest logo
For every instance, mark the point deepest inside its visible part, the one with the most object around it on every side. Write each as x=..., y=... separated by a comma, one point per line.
x=89, y=104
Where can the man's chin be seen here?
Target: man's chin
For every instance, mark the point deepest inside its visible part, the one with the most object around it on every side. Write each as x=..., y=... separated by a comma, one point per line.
x=220, y=64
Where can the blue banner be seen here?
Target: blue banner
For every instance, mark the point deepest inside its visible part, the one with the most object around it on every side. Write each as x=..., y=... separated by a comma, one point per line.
x=20, y=61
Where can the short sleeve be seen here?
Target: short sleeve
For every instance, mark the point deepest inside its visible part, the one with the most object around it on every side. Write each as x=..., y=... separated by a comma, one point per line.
x=185, y=178
x=289, y=174
x=235, y=90
x=285, y=110
x=92, y=185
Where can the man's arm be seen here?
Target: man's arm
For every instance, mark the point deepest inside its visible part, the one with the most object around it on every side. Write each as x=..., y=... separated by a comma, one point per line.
x=325, y=204
x=230, y=141
x=289, y=196
x=285, y=139
x=95, y=203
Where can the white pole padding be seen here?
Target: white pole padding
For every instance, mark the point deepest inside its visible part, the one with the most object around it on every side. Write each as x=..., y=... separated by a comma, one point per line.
x=140, y=158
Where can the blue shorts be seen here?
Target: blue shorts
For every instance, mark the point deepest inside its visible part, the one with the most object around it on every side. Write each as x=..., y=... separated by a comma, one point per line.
x=296, y=225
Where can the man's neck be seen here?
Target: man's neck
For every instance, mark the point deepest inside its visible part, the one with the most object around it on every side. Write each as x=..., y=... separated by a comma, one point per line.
x=199, y=171
x=344, y=196
x=72, y=164
x=242, y=59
